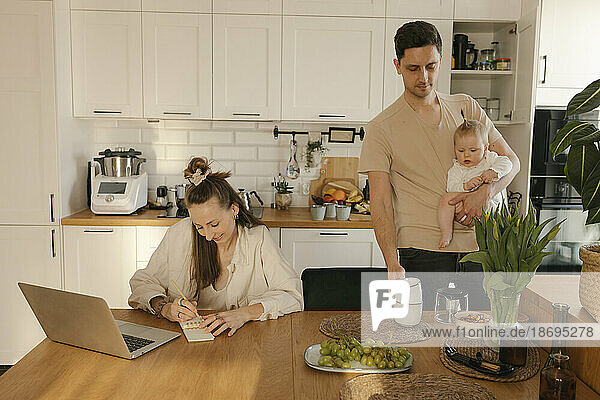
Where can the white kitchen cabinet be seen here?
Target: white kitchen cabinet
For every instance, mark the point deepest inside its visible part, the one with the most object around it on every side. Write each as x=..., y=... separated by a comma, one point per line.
x=247, y=67
x=332, y=68
x=305, y=248
x=29, y=175
x=100, y=261
x=276, y=234
x=107, y=5
x=341, y=8
x=437, y=9
x=393, y=86
x=28, y=255
x=568, y=56
x=107, y=64
x=247, y=6
x=148, y=239
x=487, y=10
x=190, y=6
x=181, y=89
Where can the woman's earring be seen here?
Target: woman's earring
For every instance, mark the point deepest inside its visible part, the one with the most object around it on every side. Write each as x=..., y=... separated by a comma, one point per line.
x=235, y=216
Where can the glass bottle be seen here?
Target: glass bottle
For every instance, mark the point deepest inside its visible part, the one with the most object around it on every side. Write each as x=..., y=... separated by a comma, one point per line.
x=560, y=315
x=557, y=381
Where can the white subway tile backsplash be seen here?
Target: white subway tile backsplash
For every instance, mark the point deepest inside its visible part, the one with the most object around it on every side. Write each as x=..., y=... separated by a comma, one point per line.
x=211, y=137
x=256, y=168
x=223, y=166
x=103, y=123
x=263, y=183
x=172, y=180
x=182, y=124
x=234, y=153
x=234, y=125
x=112, y=135
x=186, y=152
x=164, y=136
x=273, y=153
x=154, y=181
x=257, y=138
x=137, y=123
x=170, y=167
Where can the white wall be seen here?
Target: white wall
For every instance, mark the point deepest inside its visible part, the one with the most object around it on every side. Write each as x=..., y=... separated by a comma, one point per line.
x=248, y=149
x=75, y=136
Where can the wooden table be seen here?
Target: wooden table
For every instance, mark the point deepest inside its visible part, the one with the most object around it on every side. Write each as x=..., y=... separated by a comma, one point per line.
x=263, y=360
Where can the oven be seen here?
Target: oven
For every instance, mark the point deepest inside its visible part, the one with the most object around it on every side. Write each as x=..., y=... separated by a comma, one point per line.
x=553, y=196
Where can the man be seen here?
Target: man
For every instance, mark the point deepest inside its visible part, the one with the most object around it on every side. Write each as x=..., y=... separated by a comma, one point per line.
x=407, y=151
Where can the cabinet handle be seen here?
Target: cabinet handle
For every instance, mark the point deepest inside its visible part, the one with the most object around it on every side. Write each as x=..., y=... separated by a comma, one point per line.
x=106, y=112
x=177, y=113
x=106, y=230
x=52, y=243
x=51, y=207
x=331, y=116
x=545, y=58
x=333, y=233
x=235, y=114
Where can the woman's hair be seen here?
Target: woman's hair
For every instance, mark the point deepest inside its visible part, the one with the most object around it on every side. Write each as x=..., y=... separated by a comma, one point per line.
x=206, y=185
x=471, y=127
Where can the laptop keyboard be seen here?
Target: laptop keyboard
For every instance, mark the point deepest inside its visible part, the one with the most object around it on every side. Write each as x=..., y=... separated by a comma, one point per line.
x=133, y=343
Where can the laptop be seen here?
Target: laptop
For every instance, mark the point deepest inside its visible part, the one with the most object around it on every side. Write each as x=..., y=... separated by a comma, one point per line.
x=86, y=321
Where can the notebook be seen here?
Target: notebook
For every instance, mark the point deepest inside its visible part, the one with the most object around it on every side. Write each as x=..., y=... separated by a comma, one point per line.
x=193, y=332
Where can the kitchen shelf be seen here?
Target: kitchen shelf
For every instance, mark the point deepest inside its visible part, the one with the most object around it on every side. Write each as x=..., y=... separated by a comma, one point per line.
x=471, y=74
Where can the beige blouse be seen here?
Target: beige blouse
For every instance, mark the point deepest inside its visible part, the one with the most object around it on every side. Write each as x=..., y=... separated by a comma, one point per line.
x=258, y=273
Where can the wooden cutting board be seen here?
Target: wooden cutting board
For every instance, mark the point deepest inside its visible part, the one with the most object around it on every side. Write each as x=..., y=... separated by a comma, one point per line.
x=334, y=169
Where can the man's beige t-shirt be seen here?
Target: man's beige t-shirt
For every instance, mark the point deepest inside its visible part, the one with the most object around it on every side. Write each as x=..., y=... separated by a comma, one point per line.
x=417, y=155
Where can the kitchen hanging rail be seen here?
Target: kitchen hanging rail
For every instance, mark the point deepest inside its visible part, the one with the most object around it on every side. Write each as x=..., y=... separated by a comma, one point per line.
x=335, y=135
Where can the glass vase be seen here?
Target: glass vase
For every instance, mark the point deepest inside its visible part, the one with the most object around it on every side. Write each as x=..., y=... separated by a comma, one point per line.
x=557, y=381
x=505, y=308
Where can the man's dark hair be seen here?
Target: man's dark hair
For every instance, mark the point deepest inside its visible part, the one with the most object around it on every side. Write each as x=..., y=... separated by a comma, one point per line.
x=416, y=34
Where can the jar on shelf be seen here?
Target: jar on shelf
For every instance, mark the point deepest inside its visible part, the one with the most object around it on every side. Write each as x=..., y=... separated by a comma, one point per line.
x=488, y=55
x=486, y=66
x=493, y=108
x=503, y=64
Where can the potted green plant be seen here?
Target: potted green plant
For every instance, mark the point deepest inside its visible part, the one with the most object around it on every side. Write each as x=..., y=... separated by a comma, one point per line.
x=582, y=169
x=313, y=148
x=510, y=251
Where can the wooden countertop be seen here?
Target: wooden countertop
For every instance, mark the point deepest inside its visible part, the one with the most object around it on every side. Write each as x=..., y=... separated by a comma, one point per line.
x=295, y=217
x=263, y=360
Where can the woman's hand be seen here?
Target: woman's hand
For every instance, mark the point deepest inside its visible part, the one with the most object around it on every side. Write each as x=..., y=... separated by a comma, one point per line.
x=233, y=320
x=179, y=311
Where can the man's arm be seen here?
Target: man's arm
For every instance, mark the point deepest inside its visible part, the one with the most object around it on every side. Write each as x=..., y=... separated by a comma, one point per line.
x=473, y=202
x=382, y=216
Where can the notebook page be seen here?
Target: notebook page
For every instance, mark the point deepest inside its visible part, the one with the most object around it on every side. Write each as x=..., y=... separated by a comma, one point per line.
x=192, y=331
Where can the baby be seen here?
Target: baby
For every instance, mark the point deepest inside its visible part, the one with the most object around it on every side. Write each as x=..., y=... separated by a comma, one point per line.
x=474, y=165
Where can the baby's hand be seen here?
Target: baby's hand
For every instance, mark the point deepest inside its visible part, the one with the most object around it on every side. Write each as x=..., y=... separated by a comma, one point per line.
x=473, y=183
x=488, y=176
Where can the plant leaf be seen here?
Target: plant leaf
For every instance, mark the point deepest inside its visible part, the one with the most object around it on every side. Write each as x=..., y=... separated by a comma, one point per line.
x=581, y=162
x=590, y=196
x=586, y=100
x=593, y=216
x=569, y=133
x=588, y=134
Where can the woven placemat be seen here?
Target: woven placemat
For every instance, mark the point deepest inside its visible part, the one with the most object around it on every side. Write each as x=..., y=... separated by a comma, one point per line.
x=413, y=387
x=388, y=331
x=531, y=367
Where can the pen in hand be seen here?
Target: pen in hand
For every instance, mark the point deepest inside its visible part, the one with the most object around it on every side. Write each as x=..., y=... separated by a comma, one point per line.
x=185, y=298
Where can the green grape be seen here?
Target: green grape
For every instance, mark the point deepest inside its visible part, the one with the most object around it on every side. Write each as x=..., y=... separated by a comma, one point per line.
x=402, y=359
x=390, y=364
x=398, y=364
x=381, y=365
x=325, y=344
x=363, y=360
x=377, y=359
x=346, y=365
x=370, y=362
x=324, y=351
x=347, y=352
x=330, y=364
x=338, y=362
x=321, y=362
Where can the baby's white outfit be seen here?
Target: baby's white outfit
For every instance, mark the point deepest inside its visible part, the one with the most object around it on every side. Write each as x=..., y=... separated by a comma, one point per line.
x=459, y=174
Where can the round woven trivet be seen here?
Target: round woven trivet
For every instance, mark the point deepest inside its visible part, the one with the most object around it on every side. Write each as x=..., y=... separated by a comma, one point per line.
x=413, y=387
x=388, y=331
x=531, y=367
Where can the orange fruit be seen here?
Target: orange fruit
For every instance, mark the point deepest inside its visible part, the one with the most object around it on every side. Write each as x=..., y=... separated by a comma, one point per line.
x=339, y=195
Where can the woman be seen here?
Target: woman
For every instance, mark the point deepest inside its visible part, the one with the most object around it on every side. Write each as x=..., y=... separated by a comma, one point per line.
x=222, y=257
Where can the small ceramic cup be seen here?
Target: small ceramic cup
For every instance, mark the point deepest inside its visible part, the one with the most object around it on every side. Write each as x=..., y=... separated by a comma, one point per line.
x=342, y=213
x=317, y=212
x=330, y=213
